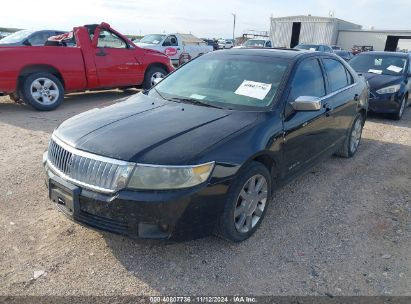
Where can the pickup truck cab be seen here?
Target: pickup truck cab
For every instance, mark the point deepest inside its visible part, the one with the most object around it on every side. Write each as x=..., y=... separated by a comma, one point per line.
x=178, y=47
x=91, y=57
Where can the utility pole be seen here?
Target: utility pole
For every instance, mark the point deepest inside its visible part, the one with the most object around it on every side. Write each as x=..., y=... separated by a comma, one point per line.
x=234, y=15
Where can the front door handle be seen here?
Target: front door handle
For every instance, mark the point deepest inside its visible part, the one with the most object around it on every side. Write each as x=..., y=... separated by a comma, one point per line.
x=356, y=97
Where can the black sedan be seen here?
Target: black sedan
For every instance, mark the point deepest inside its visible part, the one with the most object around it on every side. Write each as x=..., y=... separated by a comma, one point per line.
x=388, y=75
x=29, y=38
x=202, y=153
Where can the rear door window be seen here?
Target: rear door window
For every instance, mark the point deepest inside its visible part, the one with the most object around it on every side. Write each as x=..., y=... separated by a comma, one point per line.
x=336, y=74
x=308, y=80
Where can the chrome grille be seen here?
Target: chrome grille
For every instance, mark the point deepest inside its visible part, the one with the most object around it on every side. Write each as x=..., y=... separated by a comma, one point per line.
x=88, y=170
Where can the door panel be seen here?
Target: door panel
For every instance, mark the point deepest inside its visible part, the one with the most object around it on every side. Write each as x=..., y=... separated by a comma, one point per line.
x=117, y=64
x=306, y=132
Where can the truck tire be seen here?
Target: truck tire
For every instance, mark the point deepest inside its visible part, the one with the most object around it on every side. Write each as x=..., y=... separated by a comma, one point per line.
x=43, y=91
x=151, y=75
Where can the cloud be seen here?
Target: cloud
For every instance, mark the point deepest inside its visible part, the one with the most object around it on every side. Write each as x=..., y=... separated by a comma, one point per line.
x=207, y=18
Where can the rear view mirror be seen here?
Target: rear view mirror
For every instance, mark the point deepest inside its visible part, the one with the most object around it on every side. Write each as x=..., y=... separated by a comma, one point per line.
x=306, y=103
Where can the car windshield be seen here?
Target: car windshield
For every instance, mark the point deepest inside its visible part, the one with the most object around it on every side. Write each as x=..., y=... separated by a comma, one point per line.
x=16, y=37
x=226, y=80
x=252, y=42
x=310, y=47
x=153, y=39
x=379, y=64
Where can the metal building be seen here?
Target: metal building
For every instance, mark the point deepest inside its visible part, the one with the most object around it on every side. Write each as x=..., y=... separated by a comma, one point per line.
x=290, y=31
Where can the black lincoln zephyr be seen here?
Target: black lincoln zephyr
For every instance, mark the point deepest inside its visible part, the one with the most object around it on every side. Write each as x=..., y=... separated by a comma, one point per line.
x=202, y=152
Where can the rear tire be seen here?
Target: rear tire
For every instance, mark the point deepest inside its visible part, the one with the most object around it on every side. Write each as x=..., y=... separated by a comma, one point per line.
x=43, y=91
x=247, y=203
x=353, y=139
x=151, y=74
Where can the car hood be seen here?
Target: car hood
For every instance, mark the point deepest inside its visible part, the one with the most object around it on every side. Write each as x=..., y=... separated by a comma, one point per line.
x=379, y=81
x=147, y=130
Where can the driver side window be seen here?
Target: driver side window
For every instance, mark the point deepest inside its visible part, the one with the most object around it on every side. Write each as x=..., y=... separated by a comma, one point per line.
x=108, y=39
x=170, y=41
x=308, y=80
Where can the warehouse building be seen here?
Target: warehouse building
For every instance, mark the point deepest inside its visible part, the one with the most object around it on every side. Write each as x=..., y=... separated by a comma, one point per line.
x=290, y=31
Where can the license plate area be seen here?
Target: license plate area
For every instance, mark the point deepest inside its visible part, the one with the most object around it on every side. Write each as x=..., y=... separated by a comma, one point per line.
x=64, y=195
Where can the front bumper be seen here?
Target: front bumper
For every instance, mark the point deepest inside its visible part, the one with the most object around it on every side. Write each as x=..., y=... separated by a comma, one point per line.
x=386, y=103
x=174, y=215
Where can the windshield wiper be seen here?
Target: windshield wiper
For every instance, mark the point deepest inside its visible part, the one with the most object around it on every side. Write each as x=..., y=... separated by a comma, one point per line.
x=159, y=94
x=195, y=102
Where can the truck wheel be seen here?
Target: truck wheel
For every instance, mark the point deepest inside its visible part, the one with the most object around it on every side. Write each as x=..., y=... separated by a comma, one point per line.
x=43, y=91
x=152, y=74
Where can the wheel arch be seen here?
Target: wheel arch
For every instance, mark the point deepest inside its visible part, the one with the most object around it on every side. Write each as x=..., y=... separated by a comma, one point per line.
x=36, y=68
x=269, y=160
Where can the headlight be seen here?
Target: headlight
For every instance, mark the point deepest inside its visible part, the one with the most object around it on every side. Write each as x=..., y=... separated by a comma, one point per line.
x=389, y=90
x=152, y=177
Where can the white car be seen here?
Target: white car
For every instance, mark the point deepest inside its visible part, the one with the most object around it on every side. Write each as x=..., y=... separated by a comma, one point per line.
x=256, y=43
x=225, y=44
x=179, y=47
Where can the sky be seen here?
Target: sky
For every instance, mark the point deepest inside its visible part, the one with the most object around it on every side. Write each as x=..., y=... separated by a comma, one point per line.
x=206, y=18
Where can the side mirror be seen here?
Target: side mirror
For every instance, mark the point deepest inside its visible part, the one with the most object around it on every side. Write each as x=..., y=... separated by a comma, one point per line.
x=306, y=103
x=157, y=80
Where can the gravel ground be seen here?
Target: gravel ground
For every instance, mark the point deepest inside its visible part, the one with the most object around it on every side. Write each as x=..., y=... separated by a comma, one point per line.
x=342, y=229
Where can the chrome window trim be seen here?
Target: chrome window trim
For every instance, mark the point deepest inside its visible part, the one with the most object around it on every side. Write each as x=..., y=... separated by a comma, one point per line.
x=338, y=91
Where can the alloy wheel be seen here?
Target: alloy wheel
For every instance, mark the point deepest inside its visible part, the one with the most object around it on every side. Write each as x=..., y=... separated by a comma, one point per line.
x=155, y=76
x=356, y=135
x=44, y=90
x=251, y=203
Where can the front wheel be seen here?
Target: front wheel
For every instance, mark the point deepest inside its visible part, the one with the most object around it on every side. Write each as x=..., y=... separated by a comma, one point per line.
x=398, y=115
x=43, y=91
x=247, y=202
x=152, y=74
x=353, y=139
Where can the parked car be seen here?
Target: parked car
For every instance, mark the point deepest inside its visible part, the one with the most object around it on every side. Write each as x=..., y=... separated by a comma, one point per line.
x=357, y=49
x=225, y=44
x=346, y=55
x=336, y=48
x=211, y=42
x=315, y=47
x=102, y=58
x=179, y=47
x=389, y=77
x=202, y=153
x=29, y=38
x=256, y=43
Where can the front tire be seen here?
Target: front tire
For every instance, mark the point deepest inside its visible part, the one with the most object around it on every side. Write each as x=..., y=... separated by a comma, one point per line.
x=43, y=91
x=400, y=113
x=247, y=203
x=353, y=139
x=152, y=74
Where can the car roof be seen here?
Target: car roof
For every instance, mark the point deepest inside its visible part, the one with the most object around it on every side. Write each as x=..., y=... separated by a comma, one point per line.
x=269, y=52
x=396, y=54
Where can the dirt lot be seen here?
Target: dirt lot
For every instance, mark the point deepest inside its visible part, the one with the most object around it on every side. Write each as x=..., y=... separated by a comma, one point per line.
x=342, y=229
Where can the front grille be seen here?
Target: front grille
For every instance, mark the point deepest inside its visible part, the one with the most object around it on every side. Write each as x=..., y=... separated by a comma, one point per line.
x=88, y=170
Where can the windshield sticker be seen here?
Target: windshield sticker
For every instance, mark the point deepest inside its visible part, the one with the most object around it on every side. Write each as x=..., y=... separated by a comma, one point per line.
x=196, y=96
x=375, y=71
x=312, y=49
x=394, y=68
x=257, y=90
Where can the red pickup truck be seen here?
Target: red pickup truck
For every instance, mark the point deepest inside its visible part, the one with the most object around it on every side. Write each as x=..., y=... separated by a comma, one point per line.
x=90, y=57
